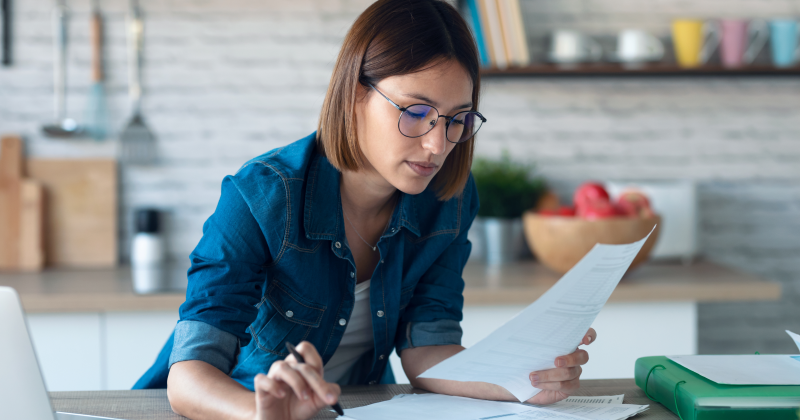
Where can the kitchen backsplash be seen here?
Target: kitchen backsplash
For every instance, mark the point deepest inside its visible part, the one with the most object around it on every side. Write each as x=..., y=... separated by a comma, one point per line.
x=227, y=80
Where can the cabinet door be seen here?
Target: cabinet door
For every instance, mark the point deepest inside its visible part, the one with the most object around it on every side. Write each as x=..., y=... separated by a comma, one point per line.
x=625, y=332
x=132, y=342
x=68, y=348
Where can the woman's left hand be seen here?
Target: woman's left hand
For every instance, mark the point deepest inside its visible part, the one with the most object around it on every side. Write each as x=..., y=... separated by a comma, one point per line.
x=558, y=383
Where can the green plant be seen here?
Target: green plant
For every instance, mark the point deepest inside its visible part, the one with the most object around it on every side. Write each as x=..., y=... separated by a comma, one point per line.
x=506, y=189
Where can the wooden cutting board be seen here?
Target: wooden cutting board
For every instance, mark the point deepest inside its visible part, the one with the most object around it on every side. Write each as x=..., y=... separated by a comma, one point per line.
x=81, y=212
x=21, y=212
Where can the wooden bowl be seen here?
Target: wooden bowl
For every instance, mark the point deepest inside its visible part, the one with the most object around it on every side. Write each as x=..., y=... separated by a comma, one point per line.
x=560, y=242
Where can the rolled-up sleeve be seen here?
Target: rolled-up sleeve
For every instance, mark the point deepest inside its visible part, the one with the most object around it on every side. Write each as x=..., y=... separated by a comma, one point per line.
x=195, y=340
x=226, y=280
x=433, y=315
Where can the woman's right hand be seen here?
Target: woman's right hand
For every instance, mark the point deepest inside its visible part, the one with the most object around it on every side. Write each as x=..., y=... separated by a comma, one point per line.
x=292, y=390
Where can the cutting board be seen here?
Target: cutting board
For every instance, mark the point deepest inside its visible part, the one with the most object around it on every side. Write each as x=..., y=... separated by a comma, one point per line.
x=81, y=212
x=21, y=212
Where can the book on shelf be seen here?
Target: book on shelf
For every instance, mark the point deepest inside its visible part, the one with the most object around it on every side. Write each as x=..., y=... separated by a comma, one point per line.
x=494, y=33
x=472, y=16
x=499, y=32
x=518, y=28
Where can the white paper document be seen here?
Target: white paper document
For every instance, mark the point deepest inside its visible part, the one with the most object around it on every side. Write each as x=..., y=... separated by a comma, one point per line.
x=595, y=411
x=795, y=337
x=438, y=407
x=552, y=326
x=749, y=369
x=606, y=399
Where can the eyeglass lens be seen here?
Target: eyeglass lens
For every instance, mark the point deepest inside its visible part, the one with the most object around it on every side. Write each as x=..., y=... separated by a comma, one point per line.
x=420, y=119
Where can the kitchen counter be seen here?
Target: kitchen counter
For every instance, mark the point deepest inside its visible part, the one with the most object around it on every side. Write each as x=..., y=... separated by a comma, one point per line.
x=110, y=290
x=92, y=332
x=702, y=281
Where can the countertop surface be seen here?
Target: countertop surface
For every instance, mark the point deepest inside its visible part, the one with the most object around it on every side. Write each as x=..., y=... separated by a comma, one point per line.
x=153, y=404
x=108, y=290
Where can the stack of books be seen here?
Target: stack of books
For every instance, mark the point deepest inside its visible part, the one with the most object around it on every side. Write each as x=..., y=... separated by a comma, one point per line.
x=499, y=32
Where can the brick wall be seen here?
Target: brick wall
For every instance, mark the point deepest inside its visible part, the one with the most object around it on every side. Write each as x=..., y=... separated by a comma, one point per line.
x=228, y=80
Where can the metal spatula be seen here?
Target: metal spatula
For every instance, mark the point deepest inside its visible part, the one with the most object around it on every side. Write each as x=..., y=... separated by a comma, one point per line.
x=137, y=141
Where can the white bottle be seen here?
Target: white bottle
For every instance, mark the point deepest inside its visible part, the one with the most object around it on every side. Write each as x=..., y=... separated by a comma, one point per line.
x=147, y=253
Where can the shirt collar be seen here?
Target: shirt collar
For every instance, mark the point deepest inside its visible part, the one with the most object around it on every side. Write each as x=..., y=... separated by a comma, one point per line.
x=323, y=210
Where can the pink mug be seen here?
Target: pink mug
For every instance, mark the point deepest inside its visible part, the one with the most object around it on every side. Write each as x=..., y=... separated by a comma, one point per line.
x=742, y=41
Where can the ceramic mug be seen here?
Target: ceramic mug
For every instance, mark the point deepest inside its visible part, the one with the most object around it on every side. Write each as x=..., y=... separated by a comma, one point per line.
x=742, y=41
x=569, y=46
x=634, y=46
x=695, y=40
x=784, y=35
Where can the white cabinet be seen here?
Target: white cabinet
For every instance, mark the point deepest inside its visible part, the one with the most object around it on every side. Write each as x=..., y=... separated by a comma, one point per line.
x=98, y=351
x=133, y=340
x=68, y=347
x=625, y=332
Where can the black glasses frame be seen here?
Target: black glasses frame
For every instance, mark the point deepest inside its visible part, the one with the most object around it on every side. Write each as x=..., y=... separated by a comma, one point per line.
x=447, y=119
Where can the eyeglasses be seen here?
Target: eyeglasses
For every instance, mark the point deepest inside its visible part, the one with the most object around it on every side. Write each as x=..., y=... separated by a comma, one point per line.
x=417, y=120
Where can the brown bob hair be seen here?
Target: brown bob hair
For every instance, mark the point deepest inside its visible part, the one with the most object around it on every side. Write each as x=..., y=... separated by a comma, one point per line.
x=392, y=38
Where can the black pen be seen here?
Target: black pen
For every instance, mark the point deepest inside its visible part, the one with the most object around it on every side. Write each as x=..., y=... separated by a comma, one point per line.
x=336, y=407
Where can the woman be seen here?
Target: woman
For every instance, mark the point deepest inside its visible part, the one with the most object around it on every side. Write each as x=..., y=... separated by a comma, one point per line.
x=351, y=240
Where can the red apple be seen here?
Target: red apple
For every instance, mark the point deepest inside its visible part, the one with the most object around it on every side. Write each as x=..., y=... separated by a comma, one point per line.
x=634, y=203
x=587, y=192
x=596, y=209
x=567, y=211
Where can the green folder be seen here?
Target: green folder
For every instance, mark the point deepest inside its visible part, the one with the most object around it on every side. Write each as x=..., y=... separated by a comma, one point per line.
x=693, y=397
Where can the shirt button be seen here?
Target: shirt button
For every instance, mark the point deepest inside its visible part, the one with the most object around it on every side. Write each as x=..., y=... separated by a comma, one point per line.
x=381, y=261
x=380, y=314
x=352, y=274
x=380, y=357
x=373, y=382
x=392, y=229
x=342, y=322
x=338, y=244
x=289, y=314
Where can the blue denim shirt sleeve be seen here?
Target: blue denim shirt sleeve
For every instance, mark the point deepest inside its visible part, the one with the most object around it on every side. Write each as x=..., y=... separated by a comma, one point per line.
x=435, y=310
x=195, y=340
x=226, y=279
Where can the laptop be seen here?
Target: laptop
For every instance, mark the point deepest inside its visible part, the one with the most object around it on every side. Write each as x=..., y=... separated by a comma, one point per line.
x=23, y=394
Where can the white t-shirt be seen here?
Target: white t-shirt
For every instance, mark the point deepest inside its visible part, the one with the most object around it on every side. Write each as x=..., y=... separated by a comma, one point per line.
x=357, y=338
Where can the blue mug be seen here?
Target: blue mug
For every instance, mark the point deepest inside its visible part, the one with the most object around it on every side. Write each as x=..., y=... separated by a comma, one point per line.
x=784, y=35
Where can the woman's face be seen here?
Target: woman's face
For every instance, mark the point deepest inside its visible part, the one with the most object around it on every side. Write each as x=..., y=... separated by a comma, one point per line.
x=405, y=163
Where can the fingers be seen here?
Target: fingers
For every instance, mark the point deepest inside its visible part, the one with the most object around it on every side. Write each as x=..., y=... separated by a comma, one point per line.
x=305, y=381
x=282, y=371
x=576, y=358
x=309, y=353
x=563, y=386
x=590, y=337
x=327, y=392
x=264, y=386
x=267, y=391
x=555, y=375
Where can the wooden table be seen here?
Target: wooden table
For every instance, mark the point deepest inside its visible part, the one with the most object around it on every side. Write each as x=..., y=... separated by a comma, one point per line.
x=153, y=404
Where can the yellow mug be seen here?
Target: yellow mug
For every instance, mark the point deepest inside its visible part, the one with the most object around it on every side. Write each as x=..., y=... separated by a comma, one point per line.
x=694, y=41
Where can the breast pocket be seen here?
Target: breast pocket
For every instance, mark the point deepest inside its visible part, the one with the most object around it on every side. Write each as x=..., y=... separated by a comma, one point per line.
x=284, y=316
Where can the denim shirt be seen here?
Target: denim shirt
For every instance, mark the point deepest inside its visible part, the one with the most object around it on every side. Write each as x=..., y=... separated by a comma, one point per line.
x=274, y=265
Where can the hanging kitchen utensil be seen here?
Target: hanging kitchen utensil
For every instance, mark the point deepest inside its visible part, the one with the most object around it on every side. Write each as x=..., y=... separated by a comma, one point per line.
x=5, y=31
x=96, y=122
x=138, y=142
x=63, y=126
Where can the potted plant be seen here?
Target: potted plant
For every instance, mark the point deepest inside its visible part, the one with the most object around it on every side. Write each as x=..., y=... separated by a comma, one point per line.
x=506, y=190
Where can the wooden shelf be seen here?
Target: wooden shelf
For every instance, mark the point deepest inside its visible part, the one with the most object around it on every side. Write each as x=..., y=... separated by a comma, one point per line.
x=618, y=70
